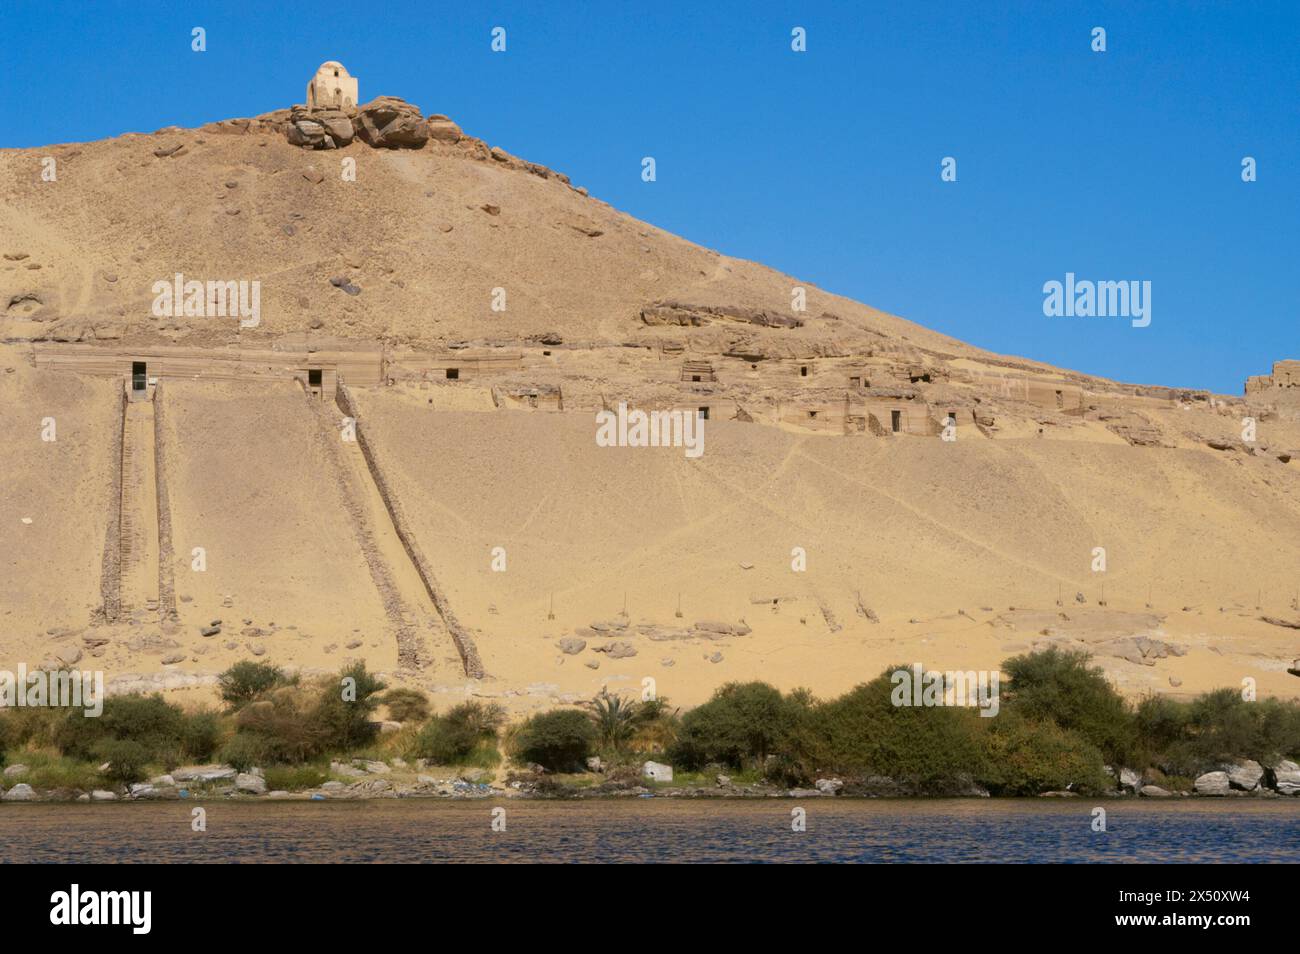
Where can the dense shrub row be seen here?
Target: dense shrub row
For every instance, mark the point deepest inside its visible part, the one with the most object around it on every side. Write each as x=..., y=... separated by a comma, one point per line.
x=1059, y=723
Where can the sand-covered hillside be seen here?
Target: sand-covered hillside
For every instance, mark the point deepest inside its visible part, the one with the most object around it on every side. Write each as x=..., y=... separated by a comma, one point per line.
x=387, y=467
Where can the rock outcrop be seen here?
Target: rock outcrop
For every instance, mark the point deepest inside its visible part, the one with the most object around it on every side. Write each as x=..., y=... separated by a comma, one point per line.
x=319, y=128
x=679, y=313
x=388, y=122
x=442, y=129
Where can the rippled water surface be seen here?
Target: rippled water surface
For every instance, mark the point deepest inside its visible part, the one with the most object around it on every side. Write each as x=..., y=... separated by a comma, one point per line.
x=655, y=830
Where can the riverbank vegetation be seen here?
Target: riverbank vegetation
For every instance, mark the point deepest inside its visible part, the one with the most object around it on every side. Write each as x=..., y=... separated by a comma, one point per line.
x=1059, y=727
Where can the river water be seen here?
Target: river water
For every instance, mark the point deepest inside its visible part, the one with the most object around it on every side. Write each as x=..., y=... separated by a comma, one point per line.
x=655, y=830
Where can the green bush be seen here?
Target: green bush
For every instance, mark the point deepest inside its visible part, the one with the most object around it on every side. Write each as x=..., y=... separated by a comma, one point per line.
x=658, y=726
x=1188, y=738
x=461, y=735
x=200, y=734
x=282, y=727
x=406, y=705
x=445, y=743
x=244, y=750
x=343, y=711
x=289, y=778
x=1027, y=758
x=30, y=725
x=483, y=718
x=559, y=740
x=127, y=760
x=926, y=749
x=1061, y=686
x=740, y=726
x=155, y=725
x=47, y=770
x=245, y=681
x=291, y=723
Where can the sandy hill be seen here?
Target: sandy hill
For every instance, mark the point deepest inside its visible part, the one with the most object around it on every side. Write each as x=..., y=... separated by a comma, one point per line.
x=425, y=234
x=947, y=500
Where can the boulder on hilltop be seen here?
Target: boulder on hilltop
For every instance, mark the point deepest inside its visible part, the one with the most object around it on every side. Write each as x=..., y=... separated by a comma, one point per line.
x=388, y=122
x=319, y=128
x=442, y=129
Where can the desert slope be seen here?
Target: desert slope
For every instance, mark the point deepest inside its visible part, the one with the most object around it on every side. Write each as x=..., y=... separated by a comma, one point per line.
x=411, y=231
x=948, y=501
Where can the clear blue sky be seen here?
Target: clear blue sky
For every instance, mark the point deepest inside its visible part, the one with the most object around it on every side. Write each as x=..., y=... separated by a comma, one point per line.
x=825, y=164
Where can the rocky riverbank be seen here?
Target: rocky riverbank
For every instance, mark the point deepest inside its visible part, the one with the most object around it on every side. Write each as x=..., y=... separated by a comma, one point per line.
x=396, y=778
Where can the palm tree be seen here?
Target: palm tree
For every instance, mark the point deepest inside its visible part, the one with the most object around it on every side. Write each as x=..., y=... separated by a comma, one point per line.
x=614, y=717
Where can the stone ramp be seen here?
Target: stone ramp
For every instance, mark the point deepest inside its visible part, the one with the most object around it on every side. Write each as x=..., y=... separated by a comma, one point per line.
x=422, y=635
x=138, y=534
x=391, y=516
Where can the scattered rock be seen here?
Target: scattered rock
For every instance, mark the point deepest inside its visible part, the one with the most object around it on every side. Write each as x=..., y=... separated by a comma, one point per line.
x=1154, y=791
x=1212, y=783
x=723, y=629
x=571, y=645
x=1129, y=779
x=657, y=771
x=22, y=792
x=618, y=649
x=249, y=783
x=213, y=772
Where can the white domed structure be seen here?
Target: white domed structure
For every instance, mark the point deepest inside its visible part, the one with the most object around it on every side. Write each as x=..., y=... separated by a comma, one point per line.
x=332, y=87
